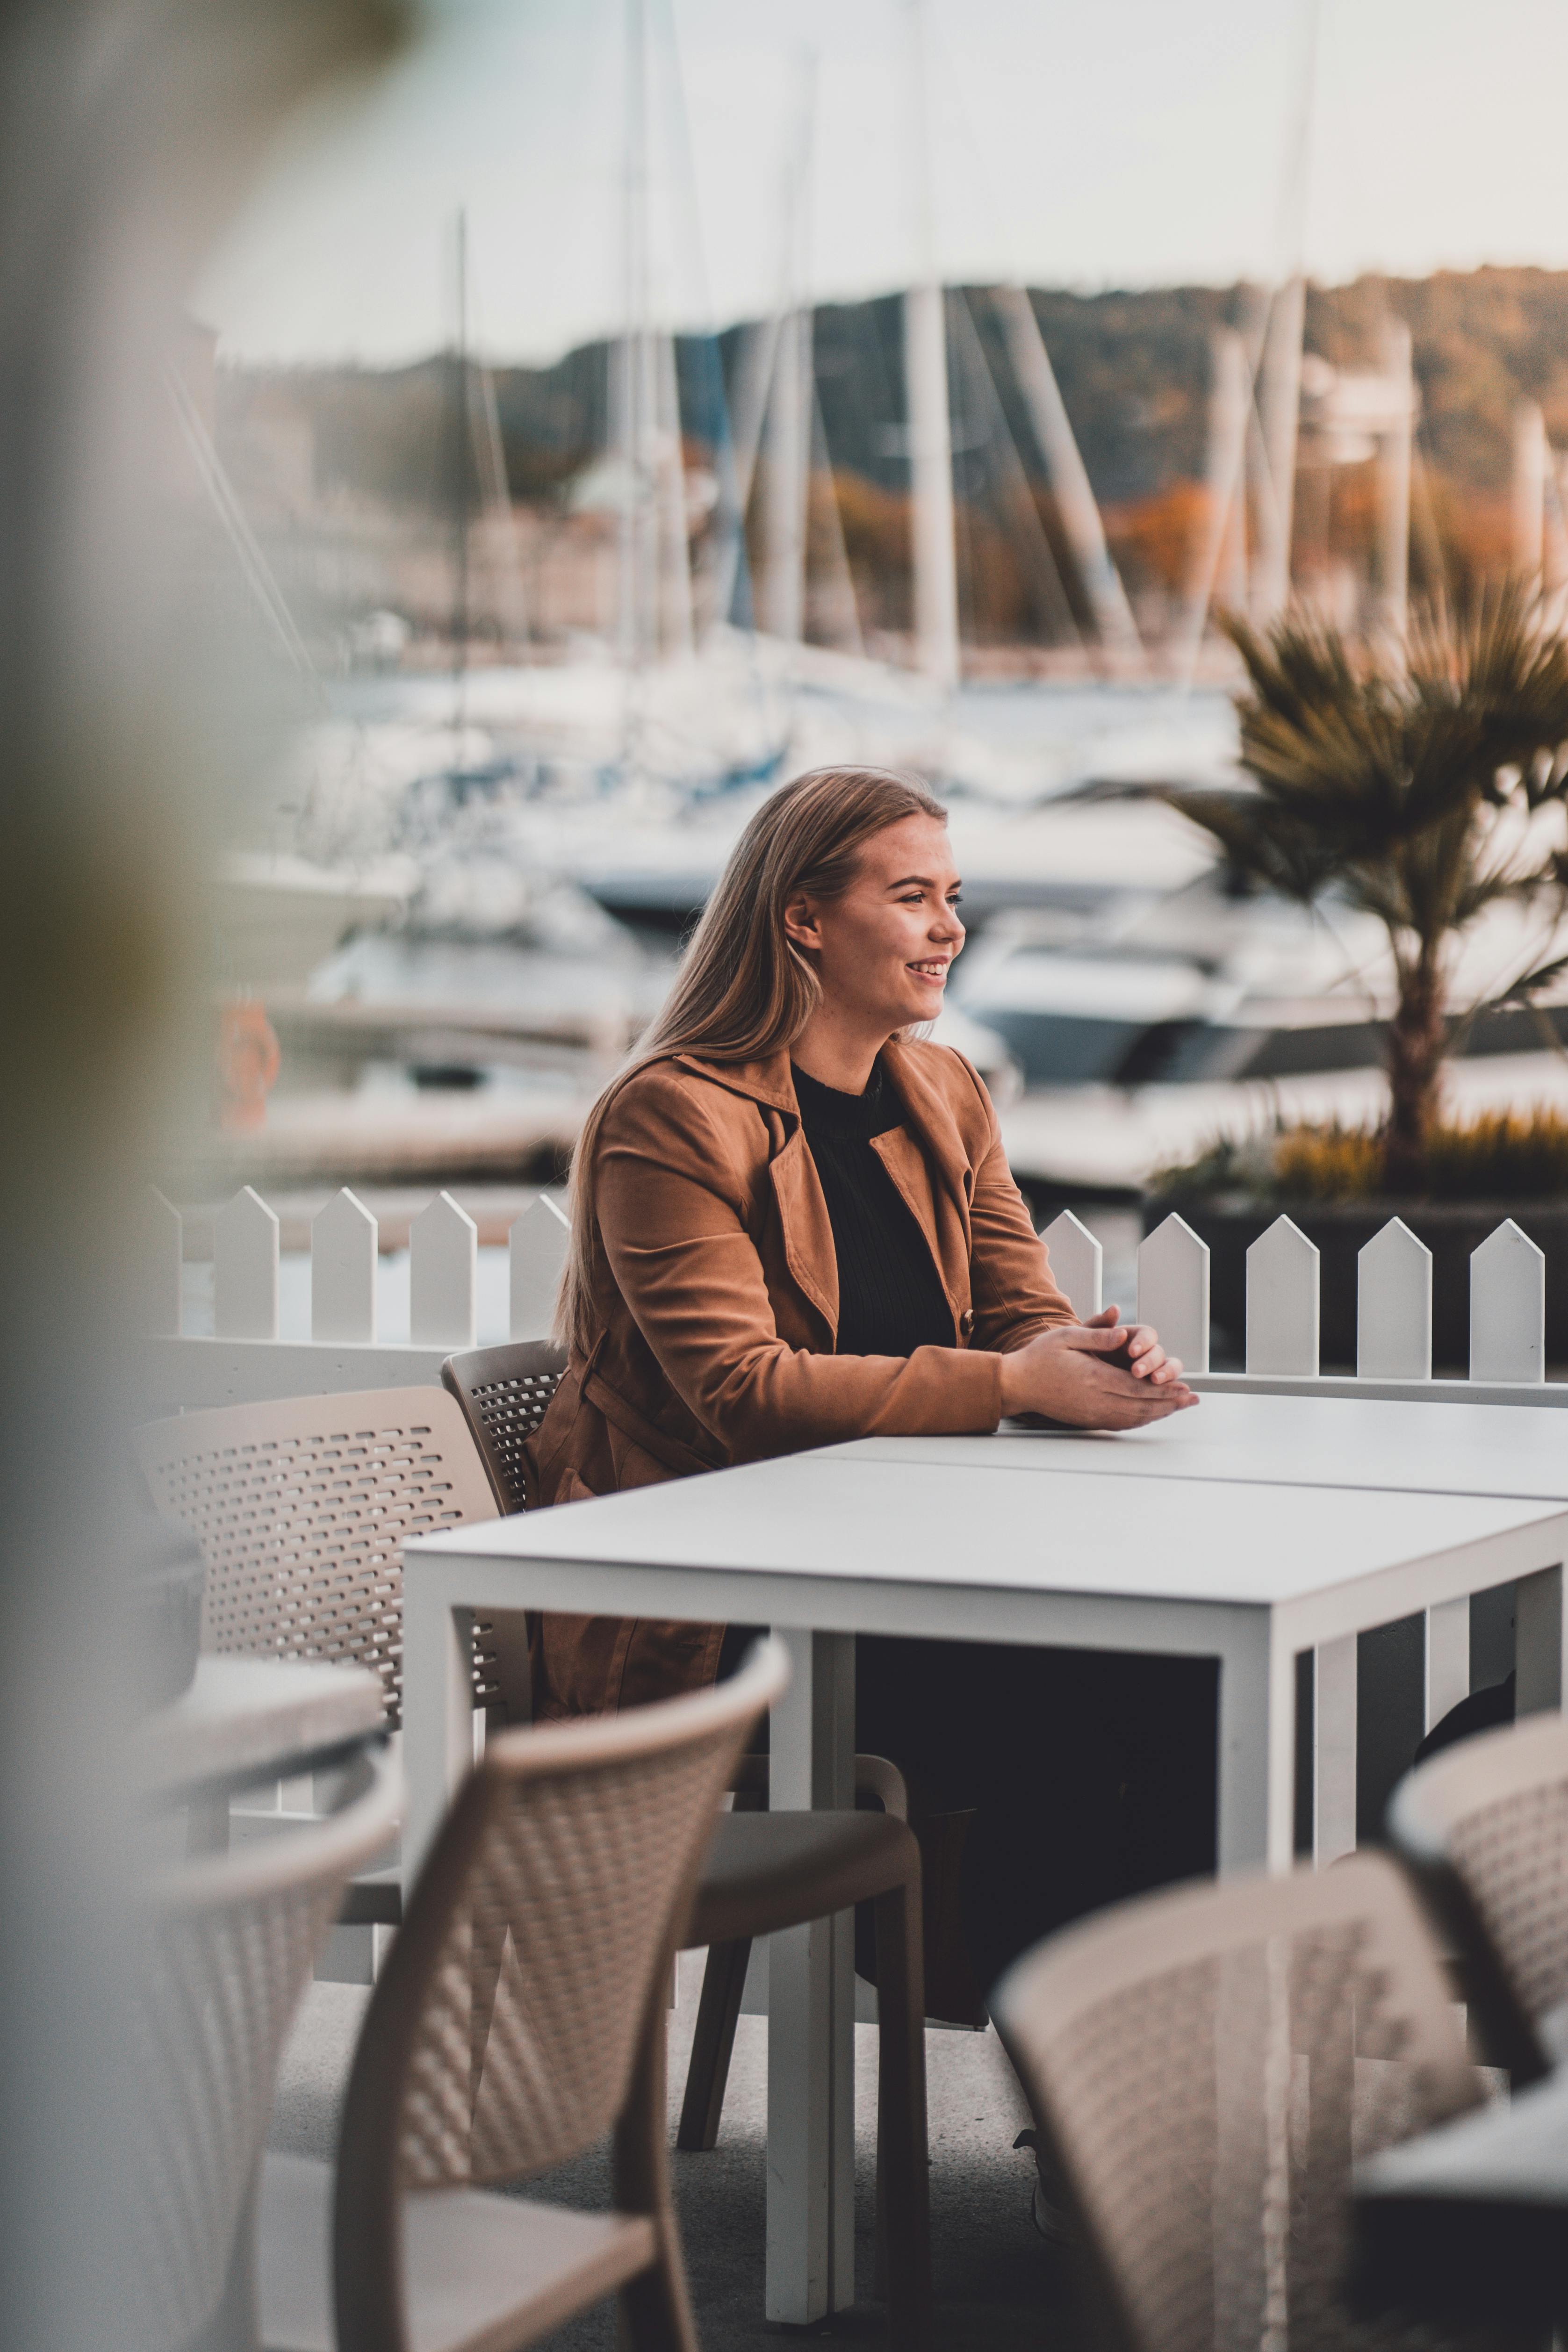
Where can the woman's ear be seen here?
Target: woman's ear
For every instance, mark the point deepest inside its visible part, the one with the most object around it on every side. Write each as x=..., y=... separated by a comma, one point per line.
x=801, y=928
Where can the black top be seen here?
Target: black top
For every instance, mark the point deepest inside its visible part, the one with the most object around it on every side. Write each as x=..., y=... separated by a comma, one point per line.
x=890, y=1299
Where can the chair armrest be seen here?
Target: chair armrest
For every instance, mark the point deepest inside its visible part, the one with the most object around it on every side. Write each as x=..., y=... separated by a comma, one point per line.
x=878, y=1784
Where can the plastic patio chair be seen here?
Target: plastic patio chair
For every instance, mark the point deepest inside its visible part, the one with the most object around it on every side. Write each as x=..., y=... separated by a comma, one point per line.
x=302, y=1505
x=226, y=1946
x=301, y=1508
x=503, y=1393
x=1483, y=1828
x=1204, y=2065
x=520, y=2016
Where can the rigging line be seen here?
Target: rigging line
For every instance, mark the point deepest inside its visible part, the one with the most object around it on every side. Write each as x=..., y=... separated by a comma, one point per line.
x=731, y=569
x=254, y=568
x=1260, y=313
x=1295, y=187
x=755, y=391
x=1056, y=605
x=1100, y=579
x=765, y=350
x=489, y=457
x=843, y=572
x=214, y=481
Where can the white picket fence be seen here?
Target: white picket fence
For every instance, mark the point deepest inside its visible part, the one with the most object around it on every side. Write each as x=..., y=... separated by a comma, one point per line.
x=1394, y=1308
x=244, y=1360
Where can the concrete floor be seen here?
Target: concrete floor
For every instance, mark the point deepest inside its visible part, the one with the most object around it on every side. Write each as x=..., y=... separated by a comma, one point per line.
x=999, y=2287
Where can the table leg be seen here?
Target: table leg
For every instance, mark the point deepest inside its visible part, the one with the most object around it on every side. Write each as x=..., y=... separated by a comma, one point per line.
x=1448, y=1657
x=1334, y=1749
x=437, y=1713
x=1541, y=1653
x=811, y=2009
x=1256, y=1713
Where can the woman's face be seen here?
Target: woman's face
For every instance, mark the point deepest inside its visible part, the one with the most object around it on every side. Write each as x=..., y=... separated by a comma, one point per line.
x=882, y=950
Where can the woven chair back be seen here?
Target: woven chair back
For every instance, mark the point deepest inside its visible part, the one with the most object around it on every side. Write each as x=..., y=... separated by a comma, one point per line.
x=1206, y=2065
x=1485, y=1823
x=503, y=1393
x=301, y=1508
x=503, y=2034
x=226, y=1946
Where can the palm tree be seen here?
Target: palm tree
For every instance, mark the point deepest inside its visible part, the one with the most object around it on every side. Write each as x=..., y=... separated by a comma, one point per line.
x=1400, y=787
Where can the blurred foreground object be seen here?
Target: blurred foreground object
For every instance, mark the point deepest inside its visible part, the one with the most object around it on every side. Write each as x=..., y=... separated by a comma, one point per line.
x=1202, y=2066
x=128, y=135
x=233, y=1936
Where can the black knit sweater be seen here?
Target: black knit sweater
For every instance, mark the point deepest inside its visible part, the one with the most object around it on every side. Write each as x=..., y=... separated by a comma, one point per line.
x=890, y=1299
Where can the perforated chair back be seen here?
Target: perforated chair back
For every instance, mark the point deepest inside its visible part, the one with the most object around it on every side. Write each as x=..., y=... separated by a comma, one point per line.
x=227, y=1947
x=529, y=1975
x=1484, y=1826
x=1205, y=2066
x=301, y=1508
x=504, y=1393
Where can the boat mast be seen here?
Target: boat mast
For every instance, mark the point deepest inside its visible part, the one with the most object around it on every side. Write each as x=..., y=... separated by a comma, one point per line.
x=460, y=479
x=1395, y=446
x=1279, y=375
x=1530, y=461
x=632, y=389
x=1219, y=567
x=786, y=474
x=1278, y=416
x=925, y=383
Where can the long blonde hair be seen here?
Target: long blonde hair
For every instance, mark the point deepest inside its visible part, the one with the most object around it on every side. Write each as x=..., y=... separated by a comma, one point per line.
x=744, y=989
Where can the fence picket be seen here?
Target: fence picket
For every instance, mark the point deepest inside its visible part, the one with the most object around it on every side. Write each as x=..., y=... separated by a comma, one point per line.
x=1507, y=1308
x=244, y=1268
x=443, y=1260
x=1078, y=1263
x=1282, y=1269
x=160, y=1256
x=1393, y=1307
x=1174, y=1290
x=343, y=1271
x=537, y=1243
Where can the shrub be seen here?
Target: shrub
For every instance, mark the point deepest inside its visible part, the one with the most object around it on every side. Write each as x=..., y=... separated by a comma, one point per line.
x=1499, y=1156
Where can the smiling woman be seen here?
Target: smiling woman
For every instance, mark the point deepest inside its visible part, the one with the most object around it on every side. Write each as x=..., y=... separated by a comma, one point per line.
x=793, y=1223
x=720, y=1224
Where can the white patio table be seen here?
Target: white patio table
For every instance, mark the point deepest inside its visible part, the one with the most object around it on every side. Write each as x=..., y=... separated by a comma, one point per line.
x=910, y=1537
x=1405, y=1447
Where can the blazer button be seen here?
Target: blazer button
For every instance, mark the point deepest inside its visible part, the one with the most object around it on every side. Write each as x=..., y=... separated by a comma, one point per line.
x=966, y=1323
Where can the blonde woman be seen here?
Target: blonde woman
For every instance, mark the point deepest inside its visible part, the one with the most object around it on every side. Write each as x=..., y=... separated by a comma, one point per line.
x=794, y=1221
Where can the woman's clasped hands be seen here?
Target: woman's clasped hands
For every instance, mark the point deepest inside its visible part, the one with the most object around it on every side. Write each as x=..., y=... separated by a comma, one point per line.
x=1103, y=1374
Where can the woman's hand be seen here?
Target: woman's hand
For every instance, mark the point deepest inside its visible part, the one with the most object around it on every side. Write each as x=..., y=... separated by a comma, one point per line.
x=1096, y=1375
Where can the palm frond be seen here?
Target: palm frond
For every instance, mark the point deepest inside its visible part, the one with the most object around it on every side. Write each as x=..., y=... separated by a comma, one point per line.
x=1532, y=984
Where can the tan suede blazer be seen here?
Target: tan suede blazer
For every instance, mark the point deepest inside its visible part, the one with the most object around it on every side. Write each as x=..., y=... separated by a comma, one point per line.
x=717, y=1304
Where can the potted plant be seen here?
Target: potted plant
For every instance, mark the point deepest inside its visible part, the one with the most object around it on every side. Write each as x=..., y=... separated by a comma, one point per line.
x=1422, y=788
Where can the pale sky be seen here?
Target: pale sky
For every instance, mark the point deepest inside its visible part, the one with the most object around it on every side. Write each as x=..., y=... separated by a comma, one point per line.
x=1125, y=143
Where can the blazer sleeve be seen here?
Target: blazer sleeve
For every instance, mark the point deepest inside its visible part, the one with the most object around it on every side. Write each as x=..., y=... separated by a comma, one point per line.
x=1013, y=1294
x=672, y=1216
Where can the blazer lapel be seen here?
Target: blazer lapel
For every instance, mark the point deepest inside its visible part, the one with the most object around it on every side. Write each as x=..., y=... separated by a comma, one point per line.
x=907, y=1165
x=807, y=1228
x=928, y=1162
x=803, y=1221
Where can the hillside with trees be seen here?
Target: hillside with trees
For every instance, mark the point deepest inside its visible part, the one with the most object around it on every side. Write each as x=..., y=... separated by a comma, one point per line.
x=1134, y=370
